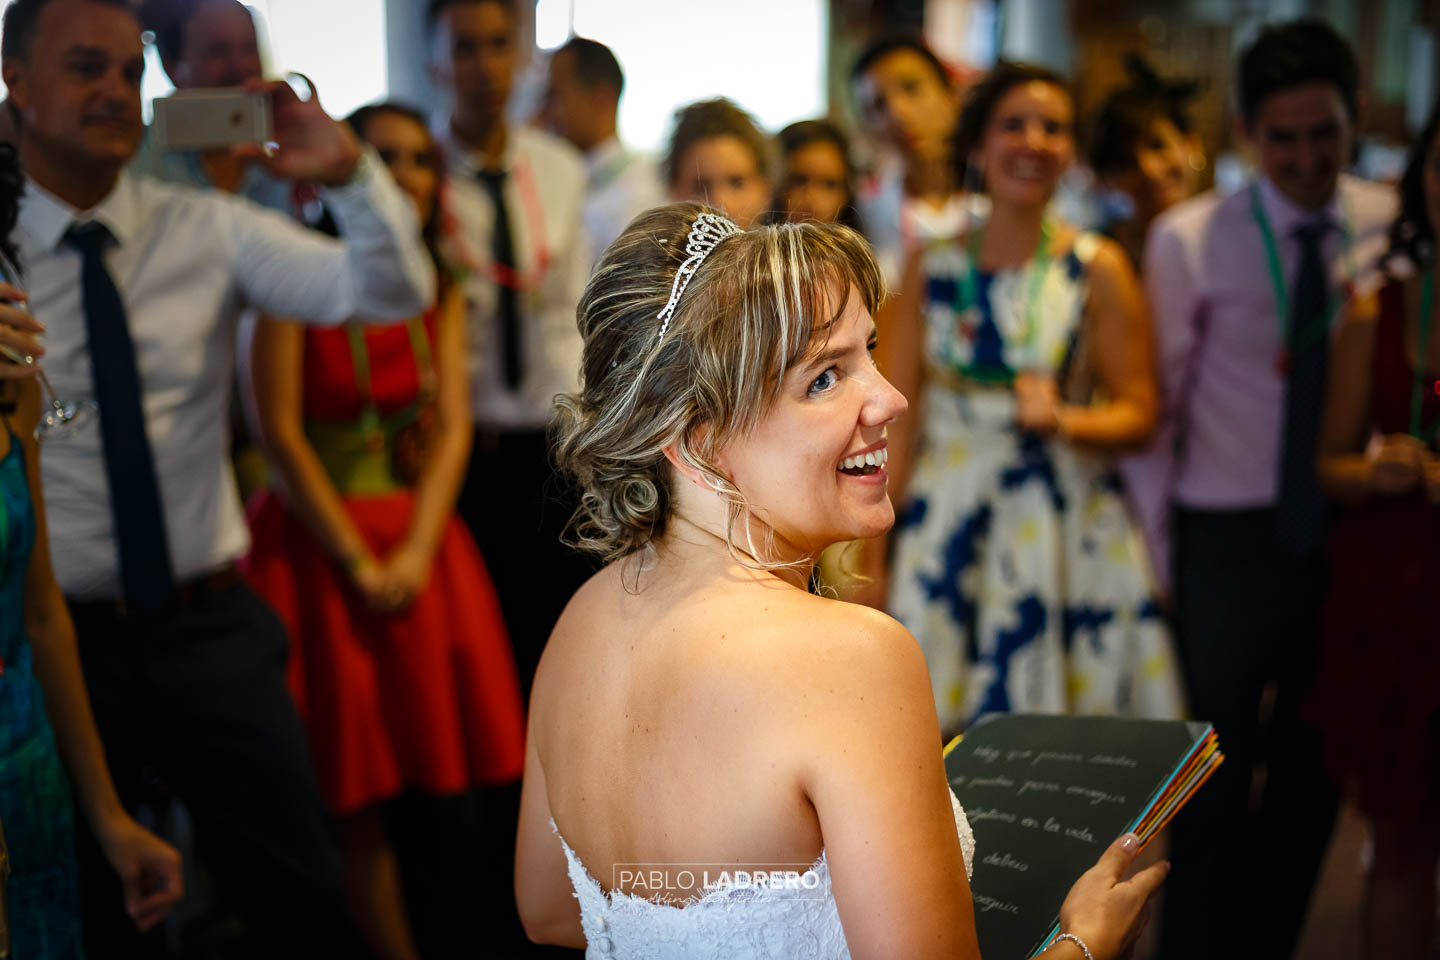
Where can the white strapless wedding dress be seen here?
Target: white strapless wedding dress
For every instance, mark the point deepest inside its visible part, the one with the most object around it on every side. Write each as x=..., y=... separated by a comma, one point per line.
x=733, y=922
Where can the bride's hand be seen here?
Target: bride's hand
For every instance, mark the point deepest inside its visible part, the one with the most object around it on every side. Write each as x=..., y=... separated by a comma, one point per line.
x=1107, y=911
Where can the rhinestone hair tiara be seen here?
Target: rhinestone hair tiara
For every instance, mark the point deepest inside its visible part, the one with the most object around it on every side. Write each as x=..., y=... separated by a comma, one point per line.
x=705, y=234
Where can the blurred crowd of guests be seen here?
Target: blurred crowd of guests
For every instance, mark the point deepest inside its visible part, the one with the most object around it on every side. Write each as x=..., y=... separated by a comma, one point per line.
x=1177, y=462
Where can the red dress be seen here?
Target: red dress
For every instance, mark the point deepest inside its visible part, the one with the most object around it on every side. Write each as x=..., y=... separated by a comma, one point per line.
x=427, y=698
x=1378, y=692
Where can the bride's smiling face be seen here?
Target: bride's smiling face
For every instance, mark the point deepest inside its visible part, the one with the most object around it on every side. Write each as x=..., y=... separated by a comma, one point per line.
x=814, y=467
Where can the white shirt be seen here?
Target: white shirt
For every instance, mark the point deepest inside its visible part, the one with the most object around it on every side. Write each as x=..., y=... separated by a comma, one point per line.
x=620, y=185
x=184, y=259
x=544, y=196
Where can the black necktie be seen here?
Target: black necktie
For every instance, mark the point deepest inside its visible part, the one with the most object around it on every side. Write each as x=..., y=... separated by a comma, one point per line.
x=1300, y=510
x=145, y=571
x=503, y=252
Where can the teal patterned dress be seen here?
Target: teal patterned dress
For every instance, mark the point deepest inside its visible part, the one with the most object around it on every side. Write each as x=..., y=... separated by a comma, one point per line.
x=35, y=807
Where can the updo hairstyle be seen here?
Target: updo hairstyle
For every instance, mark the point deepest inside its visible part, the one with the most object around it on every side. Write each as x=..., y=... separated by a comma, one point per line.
x=760, y=302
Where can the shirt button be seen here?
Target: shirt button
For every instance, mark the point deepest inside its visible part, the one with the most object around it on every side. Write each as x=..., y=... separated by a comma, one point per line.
x=600, y=922
x=603, y=945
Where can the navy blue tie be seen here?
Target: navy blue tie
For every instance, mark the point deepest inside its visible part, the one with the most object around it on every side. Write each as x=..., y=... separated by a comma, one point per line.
x=145, y=571
x=503, y=251
x=1300, y=511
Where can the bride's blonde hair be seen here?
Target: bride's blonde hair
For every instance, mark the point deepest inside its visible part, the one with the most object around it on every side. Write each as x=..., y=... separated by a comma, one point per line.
x=756, y=306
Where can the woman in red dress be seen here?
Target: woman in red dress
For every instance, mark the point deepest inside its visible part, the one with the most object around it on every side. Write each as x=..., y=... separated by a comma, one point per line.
x=400, y=662
x=1377, y=697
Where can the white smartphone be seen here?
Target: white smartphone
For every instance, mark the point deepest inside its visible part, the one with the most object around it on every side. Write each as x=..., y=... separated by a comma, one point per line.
x=213, y=117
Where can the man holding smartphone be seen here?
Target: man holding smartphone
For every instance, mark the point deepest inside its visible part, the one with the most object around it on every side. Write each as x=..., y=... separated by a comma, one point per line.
x=139, y=285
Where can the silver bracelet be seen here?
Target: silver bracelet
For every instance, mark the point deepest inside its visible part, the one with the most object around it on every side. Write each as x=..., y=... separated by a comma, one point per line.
x=1078, y=942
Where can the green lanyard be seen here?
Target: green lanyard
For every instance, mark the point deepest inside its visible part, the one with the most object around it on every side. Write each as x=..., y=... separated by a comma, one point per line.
x=609, y=171
x=1422, y=353
x=968, y=290
x=1320, y=325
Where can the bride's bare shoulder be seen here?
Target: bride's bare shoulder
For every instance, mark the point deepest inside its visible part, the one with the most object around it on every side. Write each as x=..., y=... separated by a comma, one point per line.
x=841, y=650
x=837, y=622
x=849, y=680
x=770, y=640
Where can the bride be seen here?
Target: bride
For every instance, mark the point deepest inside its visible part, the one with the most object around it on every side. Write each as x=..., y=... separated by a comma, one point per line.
x=719, y=762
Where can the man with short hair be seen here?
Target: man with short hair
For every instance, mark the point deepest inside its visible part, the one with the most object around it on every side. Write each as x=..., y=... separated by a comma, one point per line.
x=205, y=44
x=1245, y=290
x=909, y=105
x=582, y=99
x=139, y=284
x=518, y=194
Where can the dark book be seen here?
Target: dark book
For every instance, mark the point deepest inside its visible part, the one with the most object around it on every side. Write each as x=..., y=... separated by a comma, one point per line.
x=1046, y=795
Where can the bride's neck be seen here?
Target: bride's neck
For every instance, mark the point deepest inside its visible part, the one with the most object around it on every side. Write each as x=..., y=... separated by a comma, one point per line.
x=701, y=541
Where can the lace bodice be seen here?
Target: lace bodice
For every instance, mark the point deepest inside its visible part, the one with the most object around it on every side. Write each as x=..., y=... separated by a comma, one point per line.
x=735, y=921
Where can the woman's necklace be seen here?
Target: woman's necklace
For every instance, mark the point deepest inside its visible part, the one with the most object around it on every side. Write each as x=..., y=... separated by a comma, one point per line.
x=1025, y=302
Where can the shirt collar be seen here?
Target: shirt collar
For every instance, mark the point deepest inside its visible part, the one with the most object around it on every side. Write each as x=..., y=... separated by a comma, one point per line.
x=603, y=153
x=44, y=217
x=464, y=157
x=1286, y=216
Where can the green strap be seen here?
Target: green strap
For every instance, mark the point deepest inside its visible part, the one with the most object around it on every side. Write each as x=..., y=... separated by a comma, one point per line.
x=360, y=363
x=968, y=293
x=424, y=362
x=360, y=359
x=1278, y=285
x=610, y=170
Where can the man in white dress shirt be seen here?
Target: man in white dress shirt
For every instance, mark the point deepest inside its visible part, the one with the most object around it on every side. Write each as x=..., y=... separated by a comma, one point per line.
x=582, y=98
x=518, y=194
x=138, y=284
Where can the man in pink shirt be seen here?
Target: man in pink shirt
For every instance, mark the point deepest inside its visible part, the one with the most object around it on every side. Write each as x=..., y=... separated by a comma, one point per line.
x=1245, y=290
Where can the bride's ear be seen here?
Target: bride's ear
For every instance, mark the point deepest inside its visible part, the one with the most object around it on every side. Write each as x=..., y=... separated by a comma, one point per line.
x=684, y=467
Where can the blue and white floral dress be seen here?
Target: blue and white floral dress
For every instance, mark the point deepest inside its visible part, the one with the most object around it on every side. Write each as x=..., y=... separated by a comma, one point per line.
x=1015, y=563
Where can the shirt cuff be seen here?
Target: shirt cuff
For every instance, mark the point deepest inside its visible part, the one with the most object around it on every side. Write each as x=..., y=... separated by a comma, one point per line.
x=359, y=183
